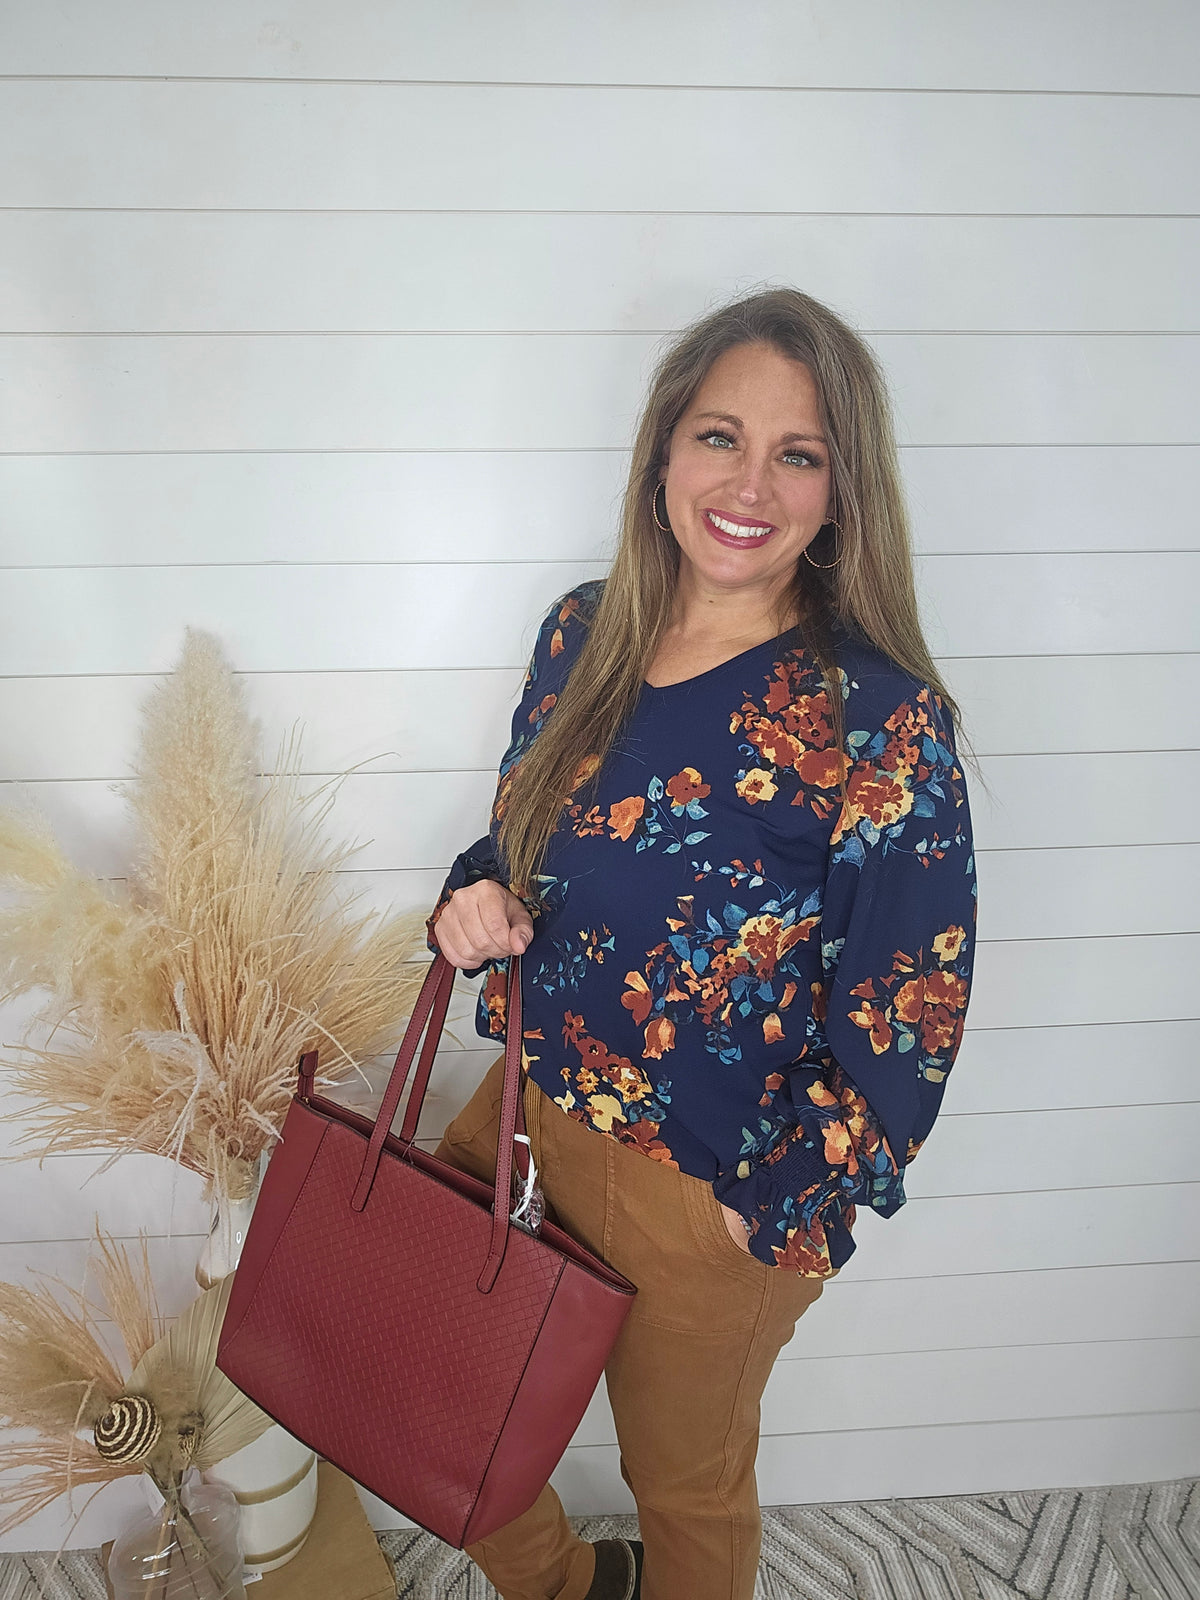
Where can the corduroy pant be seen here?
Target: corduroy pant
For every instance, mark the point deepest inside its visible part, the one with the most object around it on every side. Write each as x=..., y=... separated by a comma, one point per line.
x=685, y=1377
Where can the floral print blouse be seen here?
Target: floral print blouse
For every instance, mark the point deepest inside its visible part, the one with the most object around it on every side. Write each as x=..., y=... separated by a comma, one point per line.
x=730, y=971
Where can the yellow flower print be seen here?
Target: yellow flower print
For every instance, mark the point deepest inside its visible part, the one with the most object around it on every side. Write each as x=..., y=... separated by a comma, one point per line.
x=876, y=1022
x=819, y=1093
x=606, y=1109
x=948, y=944
x=757, y=785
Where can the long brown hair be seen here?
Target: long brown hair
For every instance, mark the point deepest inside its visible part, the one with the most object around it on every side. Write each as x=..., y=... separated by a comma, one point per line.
x=870, y=590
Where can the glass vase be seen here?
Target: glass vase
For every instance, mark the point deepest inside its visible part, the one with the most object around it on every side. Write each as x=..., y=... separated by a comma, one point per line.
x=189, y=1549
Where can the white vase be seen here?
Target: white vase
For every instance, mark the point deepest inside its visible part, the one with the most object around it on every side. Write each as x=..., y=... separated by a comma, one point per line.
x=275, y=1477
x=275, y=1481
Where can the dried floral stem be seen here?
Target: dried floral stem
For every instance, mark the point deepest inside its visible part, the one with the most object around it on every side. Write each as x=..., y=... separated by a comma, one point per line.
x=181, y=1005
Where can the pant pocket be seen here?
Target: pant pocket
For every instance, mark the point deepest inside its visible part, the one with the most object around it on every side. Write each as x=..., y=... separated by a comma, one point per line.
x=712, y=1237
x=481, y=1110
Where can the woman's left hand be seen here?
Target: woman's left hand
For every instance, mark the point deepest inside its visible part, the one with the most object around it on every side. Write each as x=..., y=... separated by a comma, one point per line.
x=737, y=1228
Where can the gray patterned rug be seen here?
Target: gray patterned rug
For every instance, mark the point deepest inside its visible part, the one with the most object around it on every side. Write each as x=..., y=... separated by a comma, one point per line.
x=1134, y=1542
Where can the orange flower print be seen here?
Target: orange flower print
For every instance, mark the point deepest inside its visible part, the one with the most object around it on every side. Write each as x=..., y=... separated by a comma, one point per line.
x=948, y=944
x=756, y=785
x=771, y=1085
x=910, y=1000
x=882, y=800
x=588, y=826
x=623, y=817
x=637, y=997
x=556, y=643
x=876, y=1022
x=766, y=941
x=584, y=771
x=775, y=744
x=780, y=691
x=772, y=1029
x=687, y=785
x=807, y=1249
x=941, y=1030
x=838, y=1149
x=807, y=716
x=923, y=1003
x=642, y=1136
x=946, y=989
x=660, y=1037
x=822, y=769
x=617, y=1097
x=545, y=705
x=495, y=999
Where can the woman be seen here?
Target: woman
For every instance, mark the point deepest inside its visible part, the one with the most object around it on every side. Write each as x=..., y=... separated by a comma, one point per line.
x=748, y=927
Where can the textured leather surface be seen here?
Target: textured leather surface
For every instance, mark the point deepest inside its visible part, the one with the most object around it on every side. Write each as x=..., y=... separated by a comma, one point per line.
x=365, y=1332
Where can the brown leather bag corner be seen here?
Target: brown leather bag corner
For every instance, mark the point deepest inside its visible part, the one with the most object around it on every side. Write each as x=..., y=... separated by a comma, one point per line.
x=389, y=1312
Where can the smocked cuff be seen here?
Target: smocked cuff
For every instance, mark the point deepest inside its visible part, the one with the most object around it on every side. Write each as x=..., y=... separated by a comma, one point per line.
x=793, y=1205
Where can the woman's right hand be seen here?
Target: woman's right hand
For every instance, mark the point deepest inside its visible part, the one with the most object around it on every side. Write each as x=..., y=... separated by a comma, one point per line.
x=481, y=922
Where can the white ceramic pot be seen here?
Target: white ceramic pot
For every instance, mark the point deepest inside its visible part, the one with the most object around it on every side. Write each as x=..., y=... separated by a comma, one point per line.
x=275, y=1477
x=275, y=1481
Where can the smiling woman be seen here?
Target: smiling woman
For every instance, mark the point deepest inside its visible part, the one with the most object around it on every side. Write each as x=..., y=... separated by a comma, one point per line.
x=731, y=833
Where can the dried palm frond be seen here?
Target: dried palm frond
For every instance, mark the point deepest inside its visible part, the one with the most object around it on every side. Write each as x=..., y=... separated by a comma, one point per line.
x=174, y=1410
x=181, y=1007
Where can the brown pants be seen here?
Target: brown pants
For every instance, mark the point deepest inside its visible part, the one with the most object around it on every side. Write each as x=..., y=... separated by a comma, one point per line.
x=685, y=1377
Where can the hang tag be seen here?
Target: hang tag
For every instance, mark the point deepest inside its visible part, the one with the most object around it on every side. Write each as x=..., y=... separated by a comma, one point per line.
x=530, y=1210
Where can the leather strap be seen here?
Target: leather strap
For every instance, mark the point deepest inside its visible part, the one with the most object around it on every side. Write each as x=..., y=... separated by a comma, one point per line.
x=431, y=1007
x=428, y=1017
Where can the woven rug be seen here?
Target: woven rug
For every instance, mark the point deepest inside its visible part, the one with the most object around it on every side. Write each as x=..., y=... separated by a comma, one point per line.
x=1134, y=1542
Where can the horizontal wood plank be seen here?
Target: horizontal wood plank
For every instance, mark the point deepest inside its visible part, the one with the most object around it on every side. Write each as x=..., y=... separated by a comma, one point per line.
x=554, y=147
x=57, y=1198
x=561, y=391
x=857, y=1318
x=867, y=43
x=253, y=272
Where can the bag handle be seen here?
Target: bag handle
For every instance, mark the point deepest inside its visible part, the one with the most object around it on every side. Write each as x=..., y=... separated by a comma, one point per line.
x=429, y=1016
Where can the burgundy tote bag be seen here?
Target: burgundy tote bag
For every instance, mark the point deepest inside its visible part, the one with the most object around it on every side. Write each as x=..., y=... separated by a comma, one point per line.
x=389, y=1312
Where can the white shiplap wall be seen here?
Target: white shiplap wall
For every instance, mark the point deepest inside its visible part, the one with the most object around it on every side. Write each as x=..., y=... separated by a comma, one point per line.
x=326, y=329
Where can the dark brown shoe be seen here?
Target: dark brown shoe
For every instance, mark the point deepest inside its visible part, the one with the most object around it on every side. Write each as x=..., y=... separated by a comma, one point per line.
x=618, y=1570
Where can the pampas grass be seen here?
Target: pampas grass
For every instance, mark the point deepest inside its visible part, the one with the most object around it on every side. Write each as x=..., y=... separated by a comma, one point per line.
x=181, y=1005
x=58, y=1382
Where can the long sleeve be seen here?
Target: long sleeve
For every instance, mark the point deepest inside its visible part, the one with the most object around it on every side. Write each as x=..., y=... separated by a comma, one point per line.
x=897, y=939
x=555, y=648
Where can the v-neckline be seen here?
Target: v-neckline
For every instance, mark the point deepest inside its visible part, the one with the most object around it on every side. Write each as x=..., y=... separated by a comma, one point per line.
x=699, y=677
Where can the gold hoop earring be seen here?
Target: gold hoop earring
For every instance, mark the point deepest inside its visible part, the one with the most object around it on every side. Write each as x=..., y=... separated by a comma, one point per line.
x=825, y=565
x=665, y=526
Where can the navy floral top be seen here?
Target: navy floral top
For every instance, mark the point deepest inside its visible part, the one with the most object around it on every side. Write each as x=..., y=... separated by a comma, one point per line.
x=731, y=972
